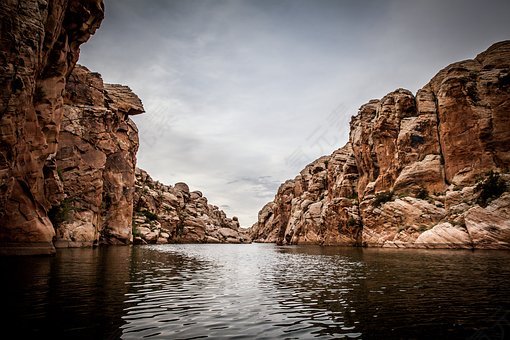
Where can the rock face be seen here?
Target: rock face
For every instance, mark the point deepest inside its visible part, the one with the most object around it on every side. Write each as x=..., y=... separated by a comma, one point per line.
x=166, y=214
x=430, y=170
x=318, y=206
x=96, y=161
x=39, y=46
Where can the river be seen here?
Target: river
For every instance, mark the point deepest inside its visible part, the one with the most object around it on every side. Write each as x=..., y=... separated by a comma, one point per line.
x=257, y=291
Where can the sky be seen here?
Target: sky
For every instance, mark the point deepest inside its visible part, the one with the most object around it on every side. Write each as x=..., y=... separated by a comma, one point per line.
x=240, y=95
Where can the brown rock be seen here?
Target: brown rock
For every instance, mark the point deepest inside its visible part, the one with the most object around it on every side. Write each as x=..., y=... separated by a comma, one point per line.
x=120, y=98
x=182, y=187
x=186, y=217
x=414, y=169
x=489, y=227
x=445, y=235
x=306, y=211
x=96, y=159
x=398, y=222
x=473, y=105
x=39, y=46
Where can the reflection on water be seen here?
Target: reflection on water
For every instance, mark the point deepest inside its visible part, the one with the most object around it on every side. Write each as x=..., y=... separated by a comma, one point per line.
x=258, y=291
x=78, y=293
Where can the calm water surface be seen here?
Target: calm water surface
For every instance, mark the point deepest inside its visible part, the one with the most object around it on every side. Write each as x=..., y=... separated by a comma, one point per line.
x=257, y=291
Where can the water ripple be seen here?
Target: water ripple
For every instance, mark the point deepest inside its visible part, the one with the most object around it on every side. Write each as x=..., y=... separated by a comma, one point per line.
x=258, y=292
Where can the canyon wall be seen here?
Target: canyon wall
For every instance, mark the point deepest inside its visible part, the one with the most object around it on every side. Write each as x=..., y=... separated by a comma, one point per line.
x=39, y=46
x=173, y=214
x=96, y=162
x=426, y=170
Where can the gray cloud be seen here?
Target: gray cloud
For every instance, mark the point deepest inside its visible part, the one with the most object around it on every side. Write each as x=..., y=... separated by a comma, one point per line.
x=241, y=95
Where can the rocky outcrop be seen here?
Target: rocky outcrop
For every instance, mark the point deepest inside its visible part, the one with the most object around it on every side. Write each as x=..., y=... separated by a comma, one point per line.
x=318, y=206
x=174, y=214
x=96, y=162
x=39, y=46
x=429, y=170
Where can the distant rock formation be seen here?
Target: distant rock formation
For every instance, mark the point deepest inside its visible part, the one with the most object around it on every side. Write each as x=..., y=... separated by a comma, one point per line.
x=39, y=46
x=96, y=162
x=430, y=170
x=166, y=214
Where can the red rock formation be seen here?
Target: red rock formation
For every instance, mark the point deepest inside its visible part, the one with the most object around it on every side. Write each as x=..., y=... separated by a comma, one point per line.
x=96, y=159
x=318, y=207
x=166, y=214
x=39, y=45
x=419, y=165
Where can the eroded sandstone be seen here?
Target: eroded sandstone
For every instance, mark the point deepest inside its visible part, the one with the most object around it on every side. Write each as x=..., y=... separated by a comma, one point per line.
x=96, y=161
x=416, y=172
x=39, y=46
x=173, y=214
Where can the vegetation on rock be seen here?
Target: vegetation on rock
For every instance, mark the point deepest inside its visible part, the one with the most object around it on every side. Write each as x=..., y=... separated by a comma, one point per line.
x=490, y=188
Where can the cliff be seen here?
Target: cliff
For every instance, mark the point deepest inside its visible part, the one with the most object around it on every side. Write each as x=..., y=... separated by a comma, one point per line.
x=427, y=170
x=39, y=46
x=96, y=162
x=68, y=146
x=105, y=203
x=173, y=214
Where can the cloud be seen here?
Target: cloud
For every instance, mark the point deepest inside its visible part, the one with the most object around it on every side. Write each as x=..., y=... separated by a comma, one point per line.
x=241, y=95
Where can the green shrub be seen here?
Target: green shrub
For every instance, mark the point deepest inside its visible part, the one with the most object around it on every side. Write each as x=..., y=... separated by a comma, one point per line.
x=353, y=196
x=382, y=197
x=423, y=228
x=179, y=229
x=459, y=223
x=134, y=229
x=490, y=188
x=422, y=194
x=351, y=222
x=60, y=175
x=61, y=213
x=149, y=215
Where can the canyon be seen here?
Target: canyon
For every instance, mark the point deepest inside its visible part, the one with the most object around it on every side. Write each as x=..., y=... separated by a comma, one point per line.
x=429, y=170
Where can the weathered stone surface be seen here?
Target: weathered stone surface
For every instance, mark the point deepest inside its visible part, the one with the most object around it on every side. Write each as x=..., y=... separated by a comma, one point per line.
x=473, y=108
x=175, y=215
x=96, y=159
x=121, y=99
x=398, y=222
x=414, y=170
x=318, y=206
x=39, y=46
x=490, y=227
x=445, y=235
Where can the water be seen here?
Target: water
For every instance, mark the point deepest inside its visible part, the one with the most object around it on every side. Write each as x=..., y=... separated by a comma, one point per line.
x=257, y=291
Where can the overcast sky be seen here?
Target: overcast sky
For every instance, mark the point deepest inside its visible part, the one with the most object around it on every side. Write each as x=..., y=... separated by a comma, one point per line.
x=240, y=95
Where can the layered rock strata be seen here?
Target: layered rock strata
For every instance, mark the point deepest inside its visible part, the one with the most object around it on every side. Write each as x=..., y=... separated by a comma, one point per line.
x=174, y=214
x=39, y=46
x=426, y=170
